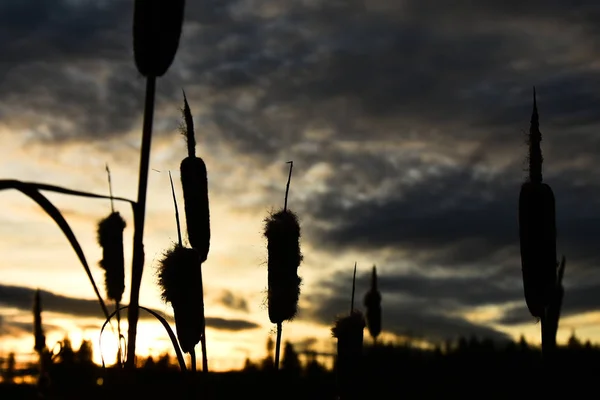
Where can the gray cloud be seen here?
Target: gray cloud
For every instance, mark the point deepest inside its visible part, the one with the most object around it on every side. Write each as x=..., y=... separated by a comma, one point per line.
x=21, y=298
x=416, y=106
x=230, y=300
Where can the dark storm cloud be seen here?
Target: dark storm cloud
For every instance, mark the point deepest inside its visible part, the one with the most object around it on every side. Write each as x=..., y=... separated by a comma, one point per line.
x=415, y=305
x=577, y=300
x=21, y=298
x=423, y=103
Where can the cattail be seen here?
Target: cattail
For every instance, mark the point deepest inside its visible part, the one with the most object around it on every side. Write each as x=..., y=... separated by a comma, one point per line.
x=349, y=331
x=178, y=277
x=156, y=32
x=537, y=228
x=195, y=191
x=38, y=331
x=110, y=238
x=373, y=304
x=282, y=231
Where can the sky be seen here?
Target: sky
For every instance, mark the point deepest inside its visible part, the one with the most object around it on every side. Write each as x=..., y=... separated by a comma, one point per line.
x=406, y=122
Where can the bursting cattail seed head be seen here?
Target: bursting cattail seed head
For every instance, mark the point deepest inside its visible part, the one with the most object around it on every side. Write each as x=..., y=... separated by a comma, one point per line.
x=38, y=331
x=373, y=304
x=194, y=182
x=110, y=238
x=537, y=228
x=282, y=231
x=179, y=278
x=156, y=32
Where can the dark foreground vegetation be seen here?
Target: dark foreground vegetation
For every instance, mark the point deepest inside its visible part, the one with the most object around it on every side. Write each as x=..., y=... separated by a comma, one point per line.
x=468, y=368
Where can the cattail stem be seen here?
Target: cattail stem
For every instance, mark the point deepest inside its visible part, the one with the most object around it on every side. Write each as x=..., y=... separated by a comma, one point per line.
x=535, y=151
x=203, y=337
x=278, y=346
x=287, y=187
x=119, y=348
x=193, y=360
x=353, y=289
x=137, y=265
x=112, y=203
x=180, y=241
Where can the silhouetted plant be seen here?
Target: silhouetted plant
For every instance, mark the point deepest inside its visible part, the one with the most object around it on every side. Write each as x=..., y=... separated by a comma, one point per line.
x=537, y=232
x=349, y=331
x=110, y=238
x=194, y=183
x=373, y=305
x=156, y=32
x=179, y=280
x=282, y=231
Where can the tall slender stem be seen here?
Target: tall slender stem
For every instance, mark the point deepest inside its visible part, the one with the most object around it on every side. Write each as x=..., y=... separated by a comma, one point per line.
x=287, y=187
x=278, y=346
x=203, y=338
x=137, y=264
x=193, y=361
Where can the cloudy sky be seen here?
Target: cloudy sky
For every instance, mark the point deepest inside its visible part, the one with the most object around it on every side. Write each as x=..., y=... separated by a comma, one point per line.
x=406, y=123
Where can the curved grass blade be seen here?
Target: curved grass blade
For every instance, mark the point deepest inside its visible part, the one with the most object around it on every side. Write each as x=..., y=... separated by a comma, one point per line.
x=12, y=183
x=55, y=214
x=160, y=319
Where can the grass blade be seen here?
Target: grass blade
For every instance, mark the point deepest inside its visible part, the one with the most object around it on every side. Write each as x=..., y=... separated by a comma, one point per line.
x=55, y=214
x=164, y=323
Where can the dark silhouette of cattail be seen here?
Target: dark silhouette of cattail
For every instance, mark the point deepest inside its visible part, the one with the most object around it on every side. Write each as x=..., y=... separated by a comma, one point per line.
x=349, y=331
x=180, y=280
x=156, y=32
x=373, y=304
x=282, y=231
x=537, y=228
x=38, y=330
x=178, y=277
x=195, y=191
x=110, y=238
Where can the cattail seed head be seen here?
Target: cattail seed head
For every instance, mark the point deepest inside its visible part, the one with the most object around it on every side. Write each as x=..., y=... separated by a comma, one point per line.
x=282, y=231
x=110, y=238
x=38, y=331
x=349, y=331
x=180, y=280
x=156, y=32
x=194, y=182
x=373, y=304
x=537, y=229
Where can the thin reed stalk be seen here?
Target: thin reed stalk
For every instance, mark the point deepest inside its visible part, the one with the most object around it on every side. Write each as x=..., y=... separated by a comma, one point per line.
x=156, y=32
x=137, y=264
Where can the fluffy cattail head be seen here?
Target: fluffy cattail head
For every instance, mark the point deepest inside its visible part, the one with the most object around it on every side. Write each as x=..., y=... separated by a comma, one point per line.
x=180, y=280
x=194, y=182
x=537, y=229
x=38, y=331
x=156, y=32
x=373, y=304
x=110, y=238
x=282, y=231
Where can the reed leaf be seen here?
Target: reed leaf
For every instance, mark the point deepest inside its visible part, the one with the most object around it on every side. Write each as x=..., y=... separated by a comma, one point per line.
x=54, y=213
x=160, y=319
